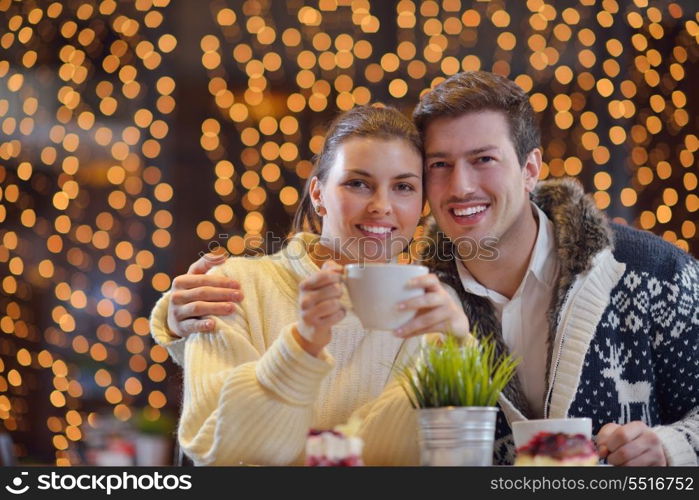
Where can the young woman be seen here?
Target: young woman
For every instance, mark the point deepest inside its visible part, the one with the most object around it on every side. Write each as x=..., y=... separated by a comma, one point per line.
x=288, y=356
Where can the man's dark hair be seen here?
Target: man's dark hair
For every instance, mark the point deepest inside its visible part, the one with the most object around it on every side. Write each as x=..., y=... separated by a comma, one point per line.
x=472, y=91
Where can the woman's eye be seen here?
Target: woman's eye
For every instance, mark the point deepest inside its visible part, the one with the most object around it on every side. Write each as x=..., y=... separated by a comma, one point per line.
x=356, y=184
x=404, y=186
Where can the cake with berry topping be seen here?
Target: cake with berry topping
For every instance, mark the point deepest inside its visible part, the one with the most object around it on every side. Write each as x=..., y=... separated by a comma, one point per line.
x=340, y=447
x=557, y=449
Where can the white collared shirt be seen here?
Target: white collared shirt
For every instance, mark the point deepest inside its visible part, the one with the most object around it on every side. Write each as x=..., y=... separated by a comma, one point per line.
x=524, y=318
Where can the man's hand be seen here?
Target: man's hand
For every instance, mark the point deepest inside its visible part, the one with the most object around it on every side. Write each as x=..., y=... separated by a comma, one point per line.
x=633, y=444
x=198, y=294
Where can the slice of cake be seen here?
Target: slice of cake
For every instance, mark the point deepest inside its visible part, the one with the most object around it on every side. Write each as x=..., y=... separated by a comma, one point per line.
x=557, y=449
x=340, y=447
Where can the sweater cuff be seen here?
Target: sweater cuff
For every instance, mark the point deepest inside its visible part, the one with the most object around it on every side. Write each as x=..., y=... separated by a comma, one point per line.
x=290, y=372
x=162, y=334
x=677, y=449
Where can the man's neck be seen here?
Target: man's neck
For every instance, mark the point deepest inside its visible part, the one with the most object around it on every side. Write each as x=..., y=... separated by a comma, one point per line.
x=505, y=274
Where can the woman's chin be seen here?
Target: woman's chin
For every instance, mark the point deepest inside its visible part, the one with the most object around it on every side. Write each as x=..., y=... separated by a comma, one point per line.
x=375, y=251
x=363, y=249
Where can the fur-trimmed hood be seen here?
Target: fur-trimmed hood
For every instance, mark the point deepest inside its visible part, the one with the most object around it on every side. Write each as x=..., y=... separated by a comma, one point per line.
x=581, y=231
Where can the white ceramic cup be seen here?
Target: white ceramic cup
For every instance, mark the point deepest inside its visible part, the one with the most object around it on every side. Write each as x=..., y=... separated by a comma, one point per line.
x=524, y=430
x=376, y=289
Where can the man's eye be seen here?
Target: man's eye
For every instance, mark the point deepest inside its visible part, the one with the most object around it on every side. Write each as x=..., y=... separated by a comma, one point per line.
x=438, y=164
x=485, y=159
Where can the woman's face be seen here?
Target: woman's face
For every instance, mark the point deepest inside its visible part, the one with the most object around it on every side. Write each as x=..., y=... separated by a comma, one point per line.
x=371, y=200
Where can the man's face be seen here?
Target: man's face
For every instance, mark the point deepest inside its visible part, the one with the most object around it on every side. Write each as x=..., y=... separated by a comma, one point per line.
x=475, y=184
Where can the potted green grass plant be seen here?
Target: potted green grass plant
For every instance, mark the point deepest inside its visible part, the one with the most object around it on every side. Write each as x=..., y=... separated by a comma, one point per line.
x=455, y=386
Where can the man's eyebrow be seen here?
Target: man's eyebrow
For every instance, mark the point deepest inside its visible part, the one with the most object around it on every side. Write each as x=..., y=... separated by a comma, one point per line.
x=470, y=152
x=435, y=154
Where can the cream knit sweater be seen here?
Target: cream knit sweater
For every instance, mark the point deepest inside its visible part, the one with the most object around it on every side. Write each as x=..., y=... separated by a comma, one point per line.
x=251, y=393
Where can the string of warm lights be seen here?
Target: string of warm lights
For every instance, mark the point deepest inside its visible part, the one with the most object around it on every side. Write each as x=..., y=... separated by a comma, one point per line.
x=87, y=101
x=84, y=110
x=616, y=108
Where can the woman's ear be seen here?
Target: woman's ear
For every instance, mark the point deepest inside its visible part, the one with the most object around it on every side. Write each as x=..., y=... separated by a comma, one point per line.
x=316, y=196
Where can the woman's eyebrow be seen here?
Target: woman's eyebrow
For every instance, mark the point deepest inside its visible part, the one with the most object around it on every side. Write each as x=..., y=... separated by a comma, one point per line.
x=364, y=173
x=358, y=172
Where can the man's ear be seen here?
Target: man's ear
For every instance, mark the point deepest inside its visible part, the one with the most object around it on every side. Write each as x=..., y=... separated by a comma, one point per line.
x=531, y=169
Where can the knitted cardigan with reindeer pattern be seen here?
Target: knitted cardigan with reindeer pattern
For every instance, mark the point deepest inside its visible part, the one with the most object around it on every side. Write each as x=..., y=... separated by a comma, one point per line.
x=624, y=327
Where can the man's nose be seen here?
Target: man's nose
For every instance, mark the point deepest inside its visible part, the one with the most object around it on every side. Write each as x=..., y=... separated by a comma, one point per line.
x=462, y=181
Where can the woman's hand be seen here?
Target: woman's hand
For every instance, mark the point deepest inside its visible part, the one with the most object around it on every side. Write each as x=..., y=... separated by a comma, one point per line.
x=436, y=310
x=319, y=308
x=198, y=294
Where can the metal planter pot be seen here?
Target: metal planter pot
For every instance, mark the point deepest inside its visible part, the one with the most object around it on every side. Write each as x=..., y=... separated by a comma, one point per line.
x=457, y=436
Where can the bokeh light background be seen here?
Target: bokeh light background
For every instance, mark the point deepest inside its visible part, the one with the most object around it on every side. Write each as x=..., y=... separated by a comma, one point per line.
x=136, y=133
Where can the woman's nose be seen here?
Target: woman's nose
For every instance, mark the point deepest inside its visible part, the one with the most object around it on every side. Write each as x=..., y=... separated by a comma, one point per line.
x=380, y=203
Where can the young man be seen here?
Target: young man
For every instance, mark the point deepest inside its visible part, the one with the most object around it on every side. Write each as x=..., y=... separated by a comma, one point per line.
x=604, y=317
